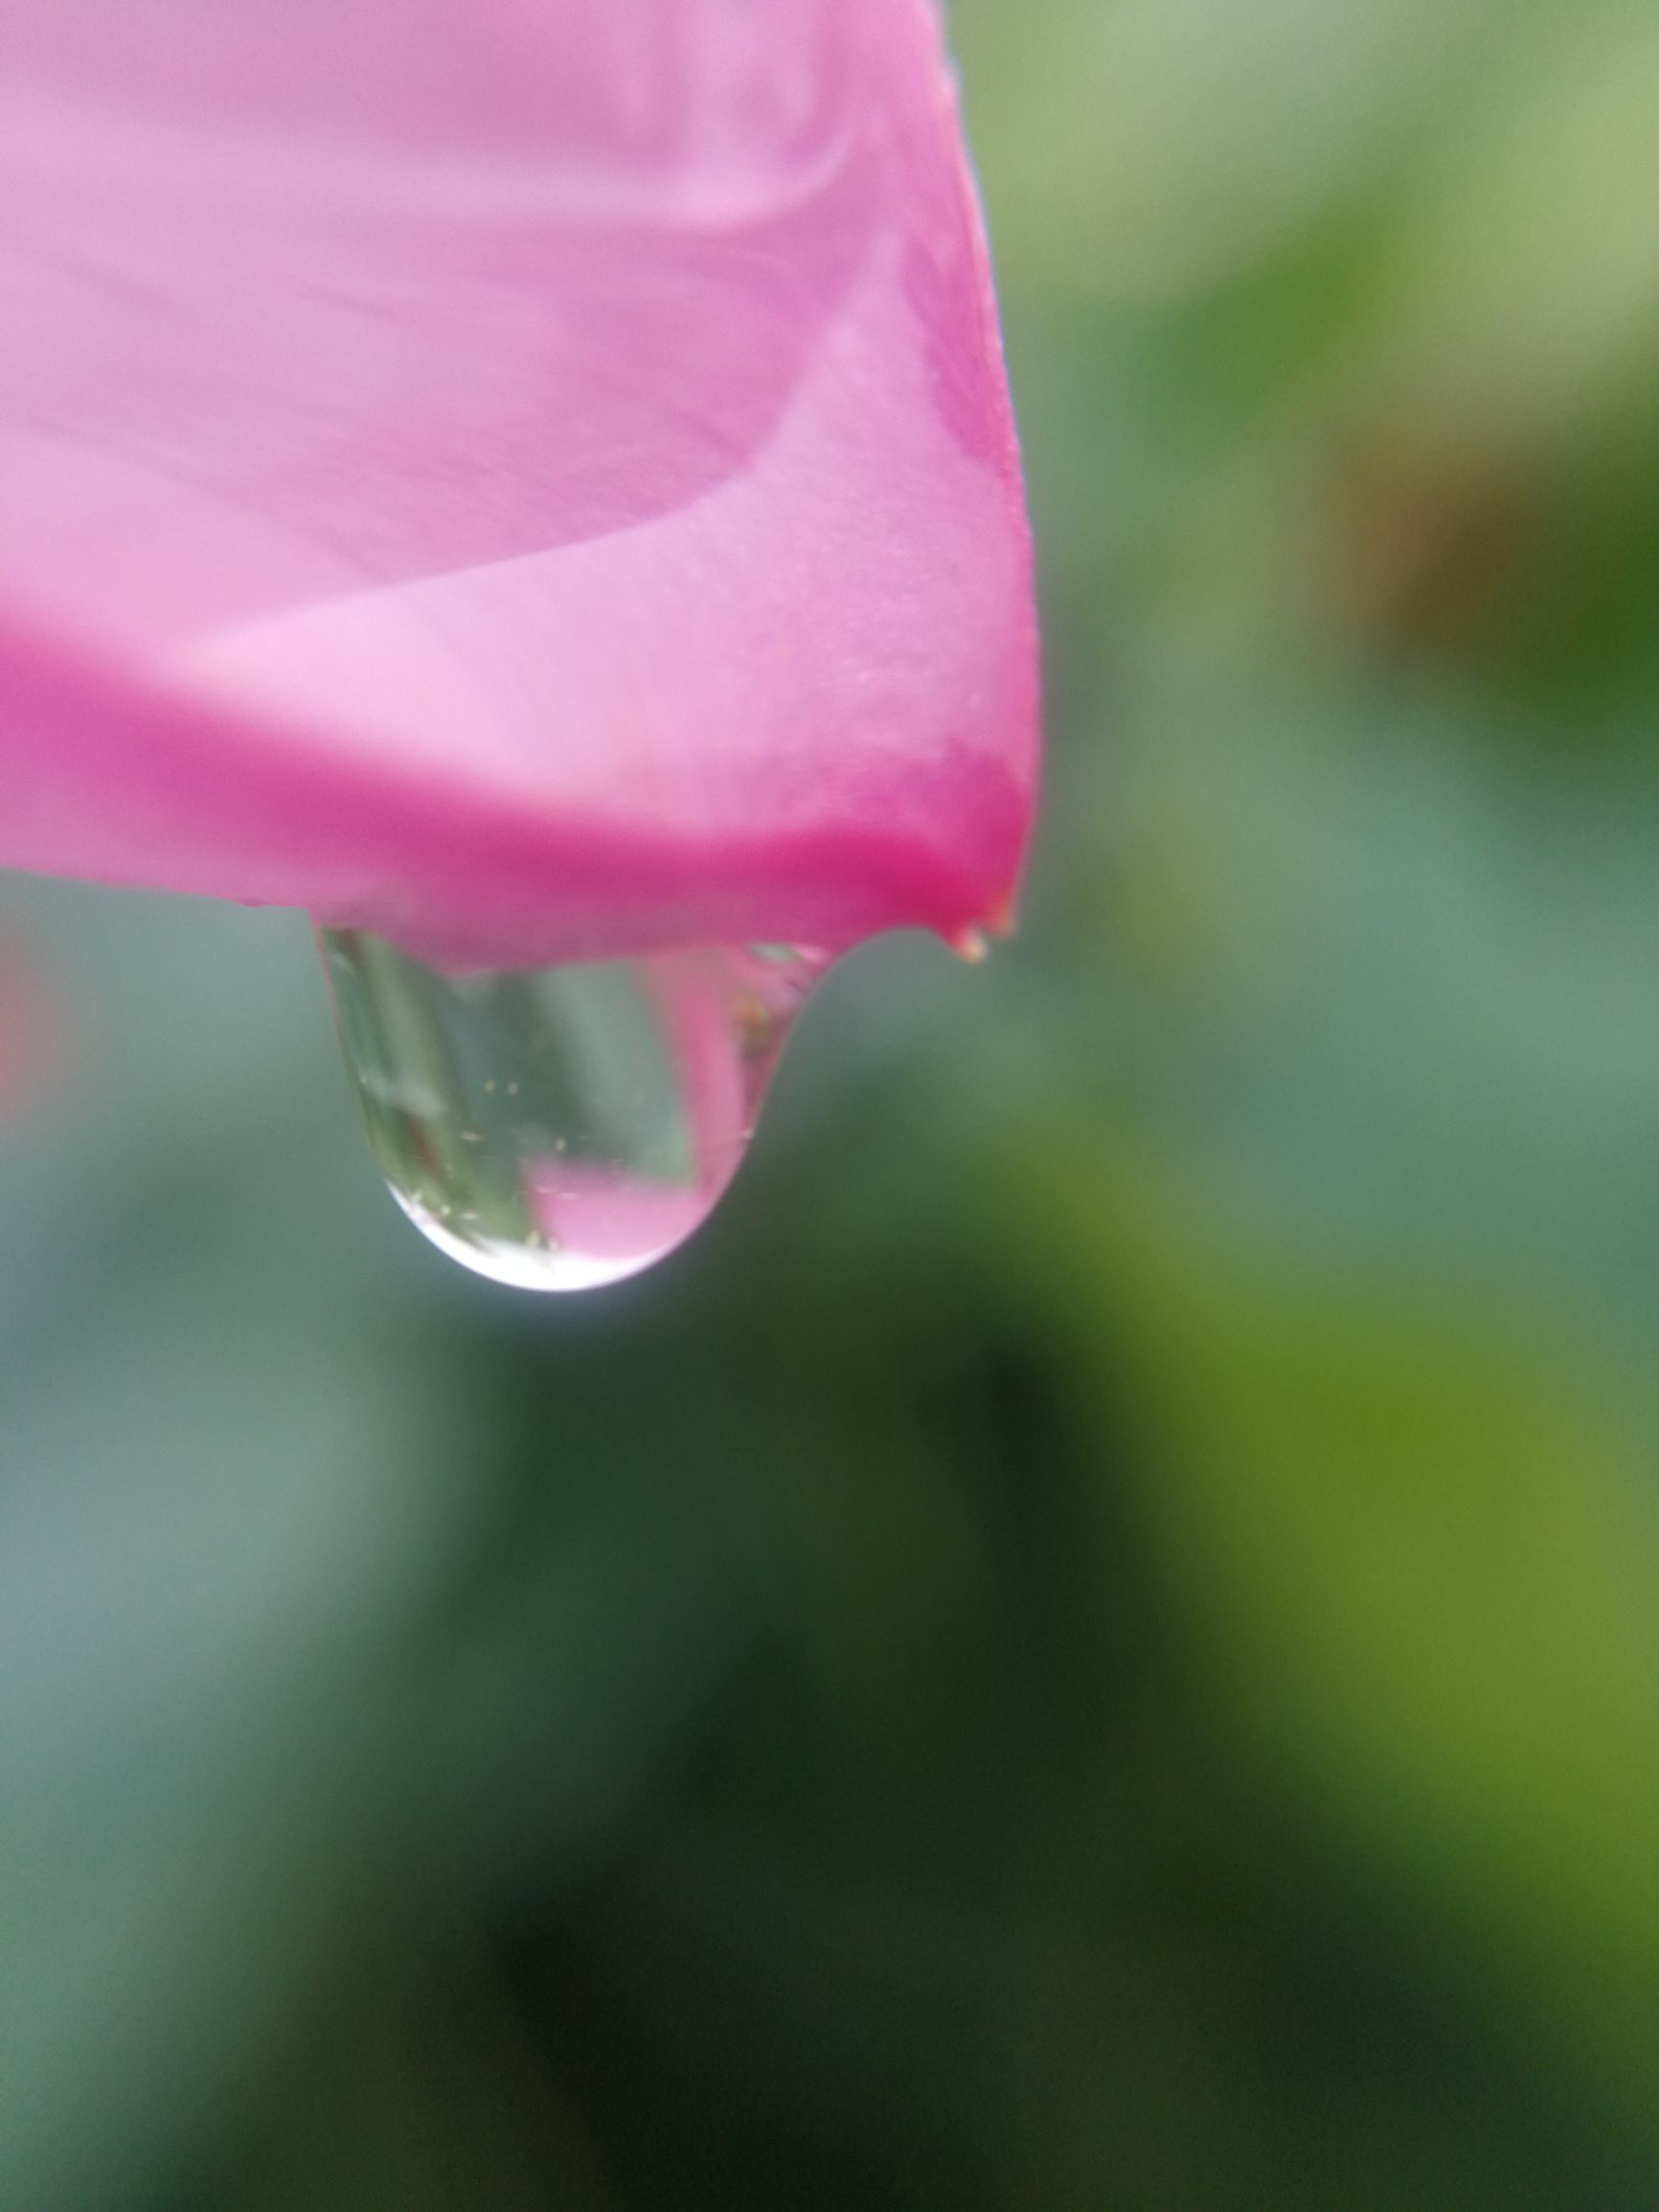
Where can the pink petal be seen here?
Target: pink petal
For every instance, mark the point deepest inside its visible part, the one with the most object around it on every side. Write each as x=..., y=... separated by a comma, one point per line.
x=530, y=476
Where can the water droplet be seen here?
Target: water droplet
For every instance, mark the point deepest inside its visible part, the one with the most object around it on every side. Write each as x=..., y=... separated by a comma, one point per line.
x=558, y=1128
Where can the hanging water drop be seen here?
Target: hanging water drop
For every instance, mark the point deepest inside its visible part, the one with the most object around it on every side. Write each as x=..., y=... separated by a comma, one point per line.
x=560, y=1129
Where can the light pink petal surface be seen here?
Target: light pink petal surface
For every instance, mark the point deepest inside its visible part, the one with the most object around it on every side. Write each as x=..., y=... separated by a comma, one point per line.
x=529, y=476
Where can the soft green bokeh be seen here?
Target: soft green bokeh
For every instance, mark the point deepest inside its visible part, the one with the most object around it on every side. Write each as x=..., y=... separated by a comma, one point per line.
x=1095, y=1641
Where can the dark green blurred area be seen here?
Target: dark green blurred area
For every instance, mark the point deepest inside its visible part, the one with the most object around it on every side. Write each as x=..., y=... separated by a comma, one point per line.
x=1095, y=1640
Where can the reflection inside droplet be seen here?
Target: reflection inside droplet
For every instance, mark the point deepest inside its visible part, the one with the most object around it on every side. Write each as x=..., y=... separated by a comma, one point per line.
x=560, y=1129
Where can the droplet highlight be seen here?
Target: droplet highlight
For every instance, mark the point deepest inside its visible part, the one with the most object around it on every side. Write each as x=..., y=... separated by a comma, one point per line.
x=560, y=1128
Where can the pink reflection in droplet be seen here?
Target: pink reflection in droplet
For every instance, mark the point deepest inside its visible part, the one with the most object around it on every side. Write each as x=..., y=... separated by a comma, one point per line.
x=33, y=1039
x=725, y=1015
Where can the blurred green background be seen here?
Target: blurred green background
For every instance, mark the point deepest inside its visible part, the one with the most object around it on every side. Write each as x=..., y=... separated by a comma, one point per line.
x=1095, y=1640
